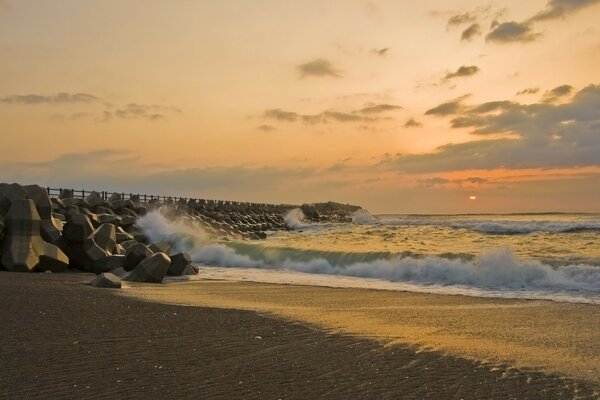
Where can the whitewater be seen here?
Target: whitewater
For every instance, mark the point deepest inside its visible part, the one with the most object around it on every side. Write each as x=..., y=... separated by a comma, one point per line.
x=527, y=256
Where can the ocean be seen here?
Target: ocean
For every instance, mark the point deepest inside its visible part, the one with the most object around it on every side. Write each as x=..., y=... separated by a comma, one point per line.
x=550, y=256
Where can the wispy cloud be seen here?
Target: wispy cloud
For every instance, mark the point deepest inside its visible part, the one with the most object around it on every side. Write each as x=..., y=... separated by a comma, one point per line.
x=369, y=113
x=461, y=72
x=471, y=32
x=561, y=9
x=59, y=98
x=412, y=123
x=447, y=108
x=557, y=93
x=382, y=52
x=510, y=32
x=266, y=128
x=528, y=91
x=319, y=67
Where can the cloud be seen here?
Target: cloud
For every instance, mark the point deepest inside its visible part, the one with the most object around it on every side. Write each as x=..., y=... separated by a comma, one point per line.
x=448, y=108
x=510, y=32
x=378, y=108
x=561, y=8
x=319, y=67
x=540, y=135
x=526, y=91
x=381, y=52
x=463, y=71
x=151, y=112
x=267, y=128
x=281, y=115
x=366, y=114
x=471, y=32
x=412, y=123
x=558, y=92
x=59, y=98
x=461, y=19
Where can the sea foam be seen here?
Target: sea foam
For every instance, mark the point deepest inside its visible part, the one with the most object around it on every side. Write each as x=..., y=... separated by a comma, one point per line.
x=498, y=270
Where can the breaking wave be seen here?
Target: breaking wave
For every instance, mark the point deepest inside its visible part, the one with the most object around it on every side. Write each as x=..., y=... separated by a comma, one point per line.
x=498, y=270
x=500, y=226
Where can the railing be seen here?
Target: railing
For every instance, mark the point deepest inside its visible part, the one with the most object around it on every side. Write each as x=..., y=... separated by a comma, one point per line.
x=104, y=195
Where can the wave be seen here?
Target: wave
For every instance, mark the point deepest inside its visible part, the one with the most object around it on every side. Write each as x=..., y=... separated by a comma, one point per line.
x=498, y=270
x=363, y=217
x=500, y=227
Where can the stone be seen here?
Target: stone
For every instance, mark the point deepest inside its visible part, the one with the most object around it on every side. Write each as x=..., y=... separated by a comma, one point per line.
x=41, y=199
x=23, y=249
x=51, y=229
x=151, y=270
x=107, y=264
x=134, y=255
x=107, y=219
x=2, y=228
x=99, y=245
x=106, y=280
x=127, y=220
x=77, y=228
x=8, y=194
x=119, y=250
x=94, y=199
x=181, y=264
x=128, y=243
x=159, y=247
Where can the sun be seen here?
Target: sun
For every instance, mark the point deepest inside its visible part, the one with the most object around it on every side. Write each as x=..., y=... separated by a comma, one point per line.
x=472, y=197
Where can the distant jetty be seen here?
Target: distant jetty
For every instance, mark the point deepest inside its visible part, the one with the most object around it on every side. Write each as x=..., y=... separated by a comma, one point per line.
x=47, y=229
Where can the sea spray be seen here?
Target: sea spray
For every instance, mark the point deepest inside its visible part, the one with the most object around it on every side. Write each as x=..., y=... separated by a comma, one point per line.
x=294, y=219
x=496, y=270
x=363, y=217
x=180, y=233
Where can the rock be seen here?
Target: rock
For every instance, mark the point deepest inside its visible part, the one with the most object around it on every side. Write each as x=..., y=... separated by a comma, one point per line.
x=99, y=245
x=51, y=229
x=107, y=219
x=106, y=280
x=107, y=264
x=77, y=228
x=163, y=247
x=127, y=220
x=134, y=255
x=181, y=264
x=23, y=248
x=94, y=199
x=41, y=199
x=105, y=237
x=127, y=243
x=2, y=228
x=119, y=249
x=8, y=194
x=151, y=269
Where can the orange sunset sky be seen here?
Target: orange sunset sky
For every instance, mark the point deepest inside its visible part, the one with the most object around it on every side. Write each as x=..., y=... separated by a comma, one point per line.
x=398, y=106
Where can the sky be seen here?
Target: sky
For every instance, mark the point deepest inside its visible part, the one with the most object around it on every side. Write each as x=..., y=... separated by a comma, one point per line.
x=398, y=106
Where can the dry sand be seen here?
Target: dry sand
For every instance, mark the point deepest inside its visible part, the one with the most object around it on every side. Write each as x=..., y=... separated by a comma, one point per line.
x=64, y=340
x=560, y=338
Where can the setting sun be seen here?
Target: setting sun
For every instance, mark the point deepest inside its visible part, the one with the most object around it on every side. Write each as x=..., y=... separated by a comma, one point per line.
x=472, y=197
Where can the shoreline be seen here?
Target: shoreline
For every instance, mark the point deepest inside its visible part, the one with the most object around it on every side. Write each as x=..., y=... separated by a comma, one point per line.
x=543, y=335
x=104, y=343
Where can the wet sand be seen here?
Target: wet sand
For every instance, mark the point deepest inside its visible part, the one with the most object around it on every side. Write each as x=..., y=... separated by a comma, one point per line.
x=63, y=340
x=555, y=337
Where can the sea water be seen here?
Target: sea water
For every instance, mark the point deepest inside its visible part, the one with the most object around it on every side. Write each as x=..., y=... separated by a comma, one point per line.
x=532, y=256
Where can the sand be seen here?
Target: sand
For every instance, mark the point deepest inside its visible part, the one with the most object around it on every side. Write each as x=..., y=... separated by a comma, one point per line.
x=555, y=337
x=62, y=340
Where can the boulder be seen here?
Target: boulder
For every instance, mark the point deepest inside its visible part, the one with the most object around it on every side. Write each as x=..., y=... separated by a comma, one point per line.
x=94, y=199
x=8, y=194
x=135, y=254
x=181, y=264
x=106, y=280
x=119, y=250
x=107, y=264
x=41, y=199
x=23, y=249
x=77, y=228
x=159, y=247
x=2, y=228
x=51, y=229
x=151, y=269
x=99, y=245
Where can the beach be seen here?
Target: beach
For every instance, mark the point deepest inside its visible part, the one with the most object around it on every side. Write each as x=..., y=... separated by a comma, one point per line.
x=64, y=339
